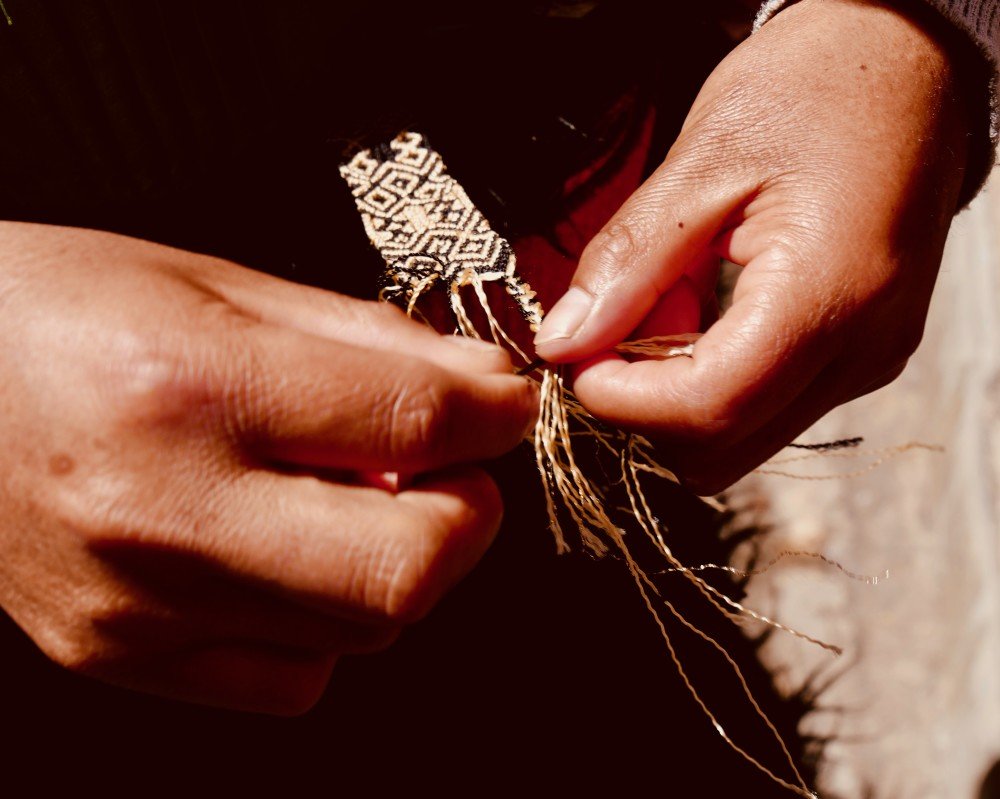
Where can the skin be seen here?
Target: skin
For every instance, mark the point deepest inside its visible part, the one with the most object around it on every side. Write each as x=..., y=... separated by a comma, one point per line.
x=825, y=155
x=188, y=452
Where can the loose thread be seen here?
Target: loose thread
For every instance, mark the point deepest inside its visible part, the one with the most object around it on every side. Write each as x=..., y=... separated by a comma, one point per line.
x=559, y=470
x=647, y=521
x=401, y=233
x=534, y=366
x=500, y=337
x=6, y=16
x=563, y=479
x=560, y=474
x=880, y=456
x=788, y=553
x=703, y=586
x=844, y=443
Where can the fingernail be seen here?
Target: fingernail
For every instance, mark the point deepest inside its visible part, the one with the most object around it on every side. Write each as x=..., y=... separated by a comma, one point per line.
x=566, y=317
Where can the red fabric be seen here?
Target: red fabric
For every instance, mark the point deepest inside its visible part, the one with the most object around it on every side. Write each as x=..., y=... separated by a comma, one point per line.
x=548, y=262
x=540, y=262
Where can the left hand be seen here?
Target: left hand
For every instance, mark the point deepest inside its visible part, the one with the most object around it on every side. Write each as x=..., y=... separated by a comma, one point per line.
x=825, y=155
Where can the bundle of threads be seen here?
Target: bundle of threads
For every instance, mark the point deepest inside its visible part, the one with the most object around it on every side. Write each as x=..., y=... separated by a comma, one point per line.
x=432, y=237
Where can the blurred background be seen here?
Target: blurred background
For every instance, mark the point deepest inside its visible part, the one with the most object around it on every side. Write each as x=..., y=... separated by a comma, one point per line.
x=912, y=708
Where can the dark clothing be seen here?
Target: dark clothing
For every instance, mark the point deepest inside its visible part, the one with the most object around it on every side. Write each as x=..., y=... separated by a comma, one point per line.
x=218, y=126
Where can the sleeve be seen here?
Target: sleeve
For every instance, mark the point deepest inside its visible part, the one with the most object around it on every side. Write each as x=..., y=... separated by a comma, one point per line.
x=979, y=23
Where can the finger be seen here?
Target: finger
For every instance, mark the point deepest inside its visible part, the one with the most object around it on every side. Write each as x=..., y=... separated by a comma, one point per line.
x=354, y=553
x=290, y=627
x=746, y=369
x=243, y=677
x=709, y=470
x=181, y=603
x=302, y=400
x=373, y=325
x=660, y=232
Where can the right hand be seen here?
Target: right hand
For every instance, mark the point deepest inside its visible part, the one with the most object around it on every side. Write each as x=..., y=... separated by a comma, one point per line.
x=180, y=445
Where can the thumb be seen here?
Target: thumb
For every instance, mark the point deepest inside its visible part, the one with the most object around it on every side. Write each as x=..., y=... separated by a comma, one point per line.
x=661, y=230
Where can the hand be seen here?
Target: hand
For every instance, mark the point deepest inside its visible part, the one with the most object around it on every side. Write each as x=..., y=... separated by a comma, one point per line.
x=825, y=155
x=180, y=454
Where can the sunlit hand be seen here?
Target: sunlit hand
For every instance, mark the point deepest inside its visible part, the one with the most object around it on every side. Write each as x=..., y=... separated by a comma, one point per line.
x=186, y=454
x=825, y=155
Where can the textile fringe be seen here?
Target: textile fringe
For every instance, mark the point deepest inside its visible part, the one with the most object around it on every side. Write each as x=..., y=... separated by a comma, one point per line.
x=569, y=491
x=433, y=237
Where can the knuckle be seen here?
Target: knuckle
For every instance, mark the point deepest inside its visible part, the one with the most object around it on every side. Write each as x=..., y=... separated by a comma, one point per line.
x=73, y=649
x=719, y=425
x=407, y=593
x=412, y=578
x=379, y=641
x=387, y=577
x=886, y=321
x=94, y=510
x=418, y=419
x=615, y=247
x=120, y=511
x=470, y=517
x=153, y=387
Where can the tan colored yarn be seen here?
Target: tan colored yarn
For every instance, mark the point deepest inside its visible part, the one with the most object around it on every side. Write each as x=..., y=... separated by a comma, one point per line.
x=432, y=236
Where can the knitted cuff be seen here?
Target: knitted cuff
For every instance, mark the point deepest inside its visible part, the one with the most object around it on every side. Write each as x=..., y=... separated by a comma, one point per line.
x=979, y=23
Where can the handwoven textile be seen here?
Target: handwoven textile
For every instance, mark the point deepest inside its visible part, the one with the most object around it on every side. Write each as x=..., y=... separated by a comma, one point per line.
x=425, y=226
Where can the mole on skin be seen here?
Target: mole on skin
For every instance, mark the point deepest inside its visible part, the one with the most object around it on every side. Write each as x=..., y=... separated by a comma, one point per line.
x=61, y=464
